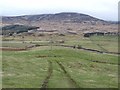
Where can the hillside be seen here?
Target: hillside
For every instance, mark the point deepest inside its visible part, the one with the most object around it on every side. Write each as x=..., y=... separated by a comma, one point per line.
x=60, y=17
x=62, y=22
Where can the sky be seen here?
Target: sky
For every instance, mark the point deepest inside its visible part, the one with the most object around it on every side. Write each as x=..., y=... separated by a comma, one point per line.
x=102, y=9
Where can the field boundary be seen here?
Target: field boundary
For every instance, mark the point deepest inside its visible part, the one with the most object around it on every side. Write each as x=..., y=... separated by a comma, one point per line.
x=12, y=49
x=88, y=49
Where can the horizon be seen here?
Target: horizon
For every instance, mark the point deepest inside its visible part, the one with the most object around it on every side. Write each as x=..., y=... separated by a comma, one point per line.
x=103, y=9
x=59, y=13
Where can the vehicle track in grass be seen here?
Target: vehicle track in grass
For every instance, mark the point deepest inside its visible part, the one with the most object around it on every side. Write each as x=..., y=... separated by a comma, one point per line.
x=96, y=61
x=70, y=79
x=50, y=71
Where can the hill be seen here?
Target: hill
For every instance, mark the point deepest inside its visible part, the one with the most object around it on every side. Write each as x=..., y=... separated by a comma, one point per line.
x=63, y=22
x=60, y=17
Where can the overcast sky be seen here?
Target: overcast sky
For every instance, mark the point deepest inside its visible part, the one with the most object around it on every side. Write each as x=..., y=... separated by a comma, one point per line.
x=103, y=9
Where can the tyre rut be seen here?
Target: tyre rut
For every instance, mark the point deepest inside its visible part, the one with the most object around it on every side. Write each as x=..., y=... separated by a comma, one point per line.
x=50, y=71
x=70, y=79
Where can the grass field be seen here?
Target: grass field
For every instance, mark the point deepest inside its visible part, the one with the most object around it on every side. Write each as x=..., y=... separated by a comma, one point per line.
x=102, y=43
x=60, y=67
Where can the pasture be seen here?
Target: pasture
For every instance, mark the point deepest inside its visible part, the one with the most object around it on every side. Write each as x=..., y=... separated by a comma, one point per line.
x=46, y=65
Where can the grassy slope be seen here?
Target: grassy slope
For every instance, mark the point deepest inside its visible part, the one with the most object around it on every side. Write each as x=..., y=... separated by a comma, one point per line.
x=25, y=69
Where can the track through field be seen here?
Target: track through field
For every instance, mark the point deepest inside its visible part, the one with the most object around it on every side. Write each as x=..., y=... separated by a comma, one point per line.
x=70, y=79
x=50, y=71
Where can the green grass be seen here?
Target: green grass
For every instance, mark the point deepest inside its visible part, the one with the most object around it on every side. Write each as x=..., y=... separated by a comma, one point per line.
x=108, y=43
x=29, y=69
x=23, y=69
x=15, y=44
x=102, y=43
